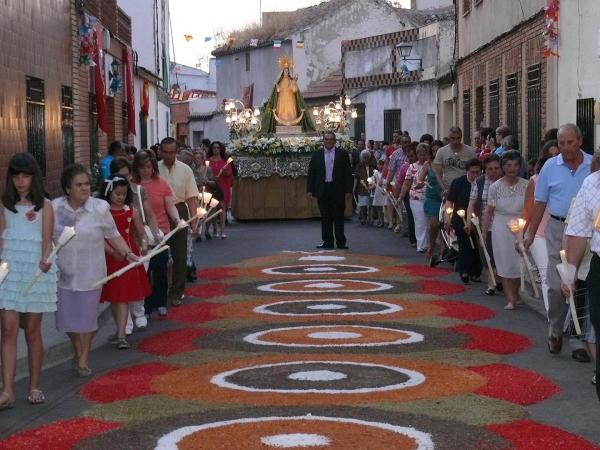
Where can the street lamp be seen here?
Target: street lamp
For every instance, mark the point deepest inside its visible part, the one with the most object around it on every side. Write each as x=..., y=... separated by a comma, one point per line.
x=404, y=50
x=114, y=76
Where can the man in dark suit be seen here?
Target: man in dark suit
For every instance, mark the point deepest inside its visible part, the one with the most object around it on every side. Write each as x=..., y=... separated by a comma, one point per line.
x=330, y=181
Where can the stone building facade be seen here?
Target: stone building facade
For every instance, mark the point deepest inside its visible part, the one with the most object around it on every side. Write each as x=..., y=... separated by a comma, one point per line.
x=503, y=78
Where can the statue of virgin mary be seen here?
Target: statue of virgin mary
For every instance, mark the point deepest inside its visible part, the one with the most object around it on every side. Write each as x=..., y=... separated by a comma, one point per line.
x=286, y=105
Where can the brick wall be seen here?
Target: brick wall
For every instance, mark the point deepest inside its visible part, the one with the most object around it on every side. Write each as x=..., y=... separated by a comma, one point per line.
x=34, y=41
x=511, y=53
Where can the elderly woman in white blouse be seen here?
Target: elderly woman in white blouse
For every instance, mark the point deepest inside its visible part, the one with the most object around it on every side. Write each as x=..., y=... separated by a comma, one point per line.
x=81, y=263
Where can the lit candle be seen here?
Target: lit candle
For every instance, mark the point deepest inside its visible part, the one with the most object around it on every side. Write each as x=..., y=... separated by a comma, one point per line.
x=461, y=213
x=475, y=222
x=3, y=271
x=517, y=226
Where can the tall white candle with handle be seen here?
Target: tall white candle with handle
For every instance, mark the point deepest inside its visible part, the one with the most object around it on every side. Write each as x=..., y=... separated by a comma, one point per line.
x=461, y=213
x=569, y=282
x=65, y=237
x=475, y=222
x=133, y=265
x=517, y=226
x=3, y=271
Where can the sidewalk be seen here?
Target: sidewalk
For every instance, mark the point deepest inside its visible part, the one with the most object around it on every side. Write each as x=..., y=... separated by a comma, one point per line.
x=57, y=347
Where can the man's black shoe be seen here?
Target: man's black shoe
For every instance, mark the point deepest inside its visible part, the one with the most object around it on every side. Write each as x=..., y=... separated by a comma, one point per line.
x=343, y=247
x=554, y=344
x=325, y=246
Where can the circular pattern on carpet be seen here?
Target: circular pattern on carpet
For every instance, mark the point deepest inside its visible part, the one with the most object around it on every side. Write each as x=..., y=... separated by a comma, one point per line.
x=322, y=258
x=295, y=432
x=283, y=378
x=319, y=269
x=333, y=336
x=328, y=307
x=326, y=285
x=371, y=379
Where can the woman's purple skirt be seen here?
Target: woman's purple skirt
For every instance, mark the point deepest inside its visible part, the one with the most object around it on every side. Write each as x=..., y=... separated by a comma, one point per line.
x=77, y=311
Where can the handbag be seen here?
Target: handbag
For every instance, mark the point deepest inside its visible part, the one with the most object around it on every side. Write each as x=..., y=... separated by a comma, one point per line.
x=147, y=230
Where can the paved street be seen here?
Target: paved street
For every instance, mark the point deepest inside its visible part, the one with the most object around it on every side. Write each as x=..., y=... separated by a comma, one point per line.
x=554, y=391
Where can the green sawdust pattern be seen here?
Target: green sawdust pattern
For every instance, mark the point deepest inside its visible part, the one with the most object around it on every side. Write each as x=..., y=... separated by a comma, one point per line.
x=151, y=407
x=431, y=321
x=204, y=356
x=468, y=408
x=459, y=357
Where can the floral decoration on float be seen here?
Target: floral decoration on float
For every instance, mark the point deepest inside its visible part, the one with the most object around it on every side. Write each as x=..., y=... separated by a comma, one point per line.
x=281, y=146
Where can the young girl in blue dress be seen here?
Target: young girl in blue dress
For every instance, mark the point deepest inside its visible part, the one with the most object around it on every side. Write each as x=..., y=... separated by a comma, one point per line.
x=26, y=224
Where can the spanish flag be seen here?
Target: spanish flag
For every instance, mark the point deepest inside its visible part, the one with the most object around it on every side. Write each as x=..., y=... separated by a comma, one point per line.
x=188, y=37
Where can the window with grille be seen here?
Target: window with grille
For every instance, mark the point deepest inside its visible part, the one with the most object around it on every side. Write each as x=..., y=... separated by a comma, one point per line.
x=585, y=122
x=392, y=120
x=467, y=116
x=534, y=110
x=66, y=125
x=512, y=103
x=466, y=7
x=478, y=107
x=36, y=120
x=494, y=99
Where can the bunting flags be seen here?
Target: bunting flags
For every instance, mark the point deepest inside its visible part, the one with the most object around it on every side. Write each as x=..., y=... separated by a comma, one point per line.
x=231, y=40
x=207, y=39
x=253, y=42
x=277, y=43
x=188, y=37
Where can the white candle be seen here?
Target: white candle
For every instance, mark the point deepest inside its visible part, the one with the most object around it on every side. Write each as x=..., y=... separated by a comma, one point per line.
x=3, y=271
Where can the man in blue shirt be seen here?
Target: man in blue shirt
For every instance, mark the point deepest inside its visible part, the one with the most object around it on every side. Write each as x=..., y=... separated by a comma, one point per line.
x=557, y=184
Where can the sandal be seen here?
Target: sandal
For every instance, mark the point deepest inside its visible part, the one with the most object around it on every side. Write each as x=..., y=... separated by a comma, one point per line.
x=6, y=402
x=36, y=397
x=490, y=291
x=509, y=306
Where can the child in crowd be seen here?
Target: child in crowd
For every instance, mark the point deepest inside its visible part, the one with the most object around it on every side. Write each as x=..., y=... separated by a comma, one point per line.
x=361, y=174
x=379, y=198
x=26, y=224
x=133, y=285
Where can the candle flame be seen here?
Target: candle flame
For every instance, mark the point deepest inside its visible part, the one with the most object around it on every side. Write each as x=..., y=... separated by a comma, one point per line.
x=449, y=211
x=461, y=213
x=207, y=163
x=514, y=226
x=229, y=160
x=214, y=202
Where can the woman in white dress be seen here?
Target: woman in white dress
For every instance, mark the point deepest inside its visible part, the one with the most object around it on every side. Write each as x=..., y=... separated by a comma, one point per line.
x=505, y=203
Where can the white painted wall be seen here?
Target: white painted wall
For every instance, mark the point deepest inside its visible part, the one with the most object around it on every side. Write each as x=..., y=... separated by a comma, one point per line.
x=322, y=41
x=213, y=128
x=416, y=101
x=191, y=78
x=489, y=19
x=203, y=105
x=579, y=62
x=428, y=4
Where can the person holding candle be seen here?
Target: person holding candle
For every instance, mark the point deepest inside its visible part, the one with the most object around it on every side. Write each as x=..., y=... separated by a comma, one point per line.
x=132, y=285
x=361, y=173
x=224, y=177
x=432, y=204
x=183, y=184
x=152, y=234
x=558, y=183
x=478, y=203
x=468, y=263
x=205, y=181
x=162, y=202
x=583, y=231
x=26, y=224
x=78, y=263
x=505, y=203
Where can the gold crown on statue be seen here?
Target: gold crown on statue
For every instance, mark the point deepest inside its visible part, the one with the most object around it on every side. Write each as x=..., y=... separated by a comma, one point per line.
x=285, y=62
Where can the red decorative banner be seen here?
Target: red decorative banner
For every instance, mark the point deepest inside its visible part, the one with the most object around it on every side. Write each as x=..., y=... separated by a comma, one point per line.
x=145, y=107
x=129, y=96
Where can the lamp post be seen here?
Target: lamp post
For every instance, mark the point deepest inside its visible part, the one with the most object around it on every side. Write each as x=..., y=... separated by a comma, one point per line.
x=114, y=75
x=404, y=50
x=239, y=119
x=335, y=115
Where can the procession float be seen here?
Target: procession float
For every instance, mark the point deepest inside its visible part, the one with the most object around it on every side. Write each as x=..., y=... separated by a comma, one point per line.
x=272, y=149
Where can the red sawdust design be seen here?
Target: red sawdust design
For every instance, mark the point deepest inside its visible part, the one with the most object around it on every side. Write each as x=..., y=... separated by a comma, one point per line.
x=208, y=290
x=173, y=342
x=61, y=435
x=493, y=340
x=439, y=287
x=130, y=382
x=194, y=313
x=526, y=435
x=464, y=310
x=418, y=270
x=217, y=273
x=515, y=385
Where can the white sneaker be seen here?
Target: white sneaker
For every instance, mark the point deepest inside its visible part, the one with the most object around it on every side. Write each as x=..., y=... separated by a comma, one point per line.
x=128, y=331
x=141, y=322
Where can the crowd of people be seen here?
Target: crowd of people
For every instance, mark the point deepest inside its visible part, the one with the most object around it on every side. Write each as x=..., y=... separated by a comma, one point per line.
x=143, y=197
x=485, y=210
